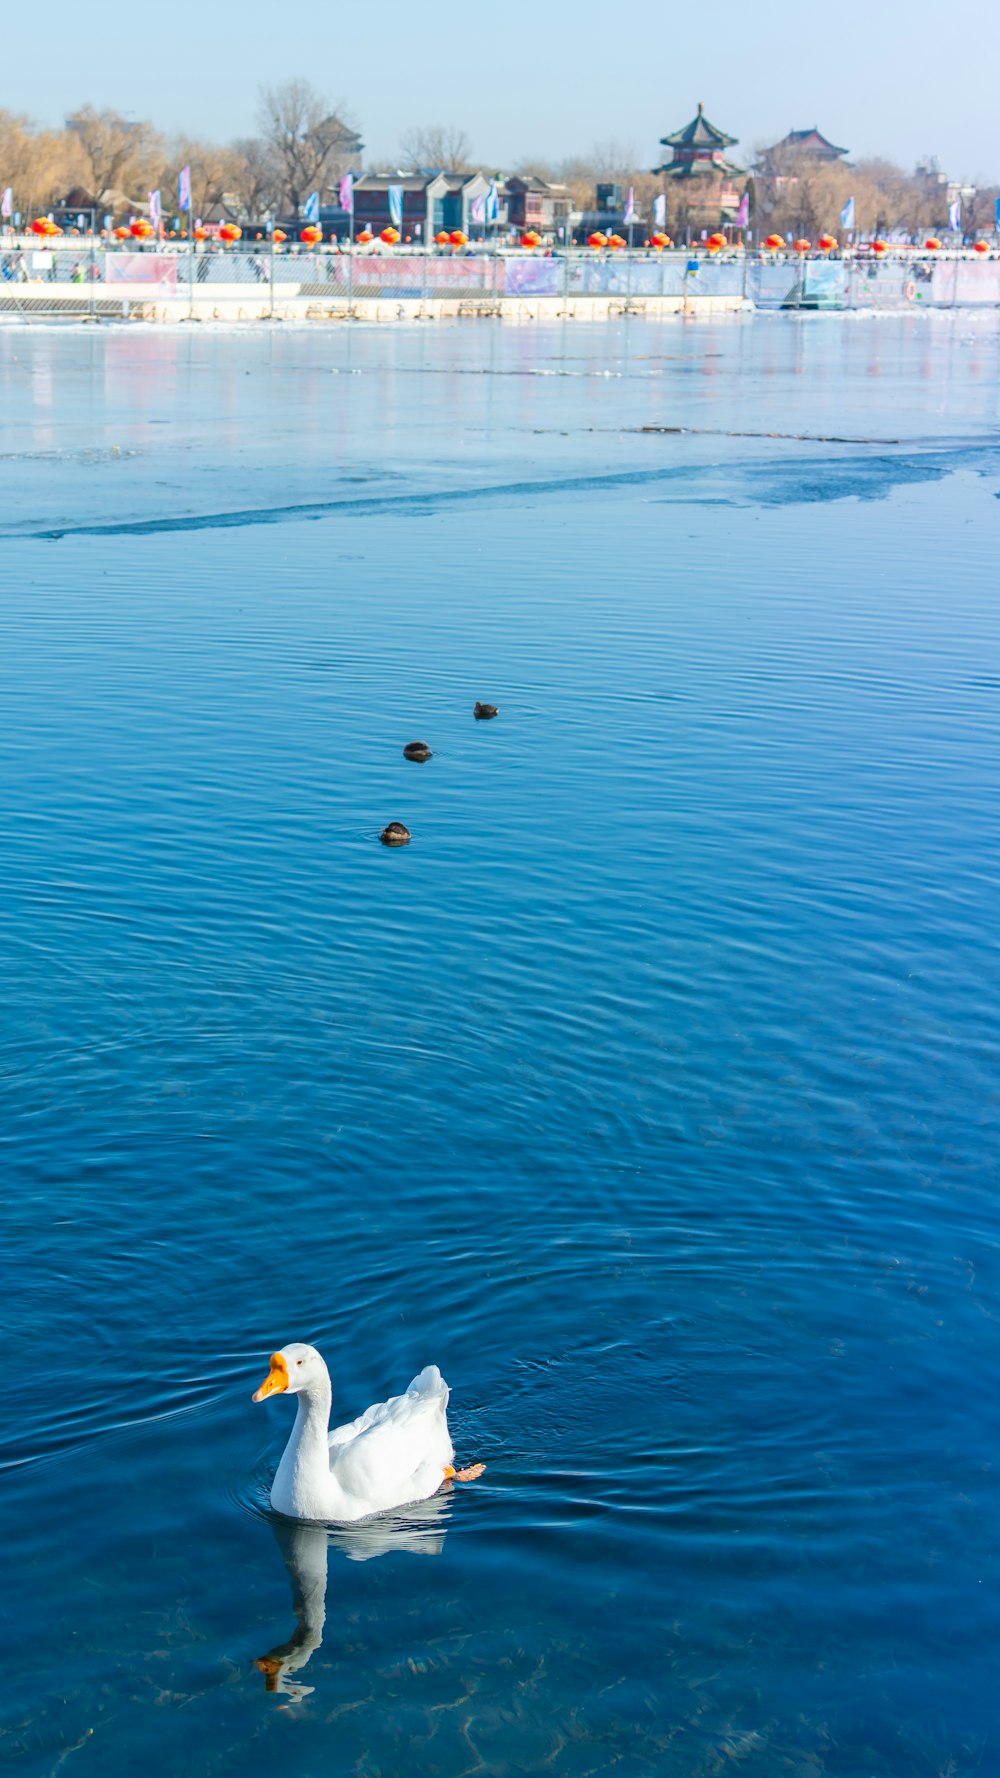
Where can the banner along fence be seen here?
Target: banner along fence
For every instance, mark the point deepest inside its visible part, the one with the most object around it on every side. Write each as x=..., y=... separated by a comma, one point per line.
x=82, y=278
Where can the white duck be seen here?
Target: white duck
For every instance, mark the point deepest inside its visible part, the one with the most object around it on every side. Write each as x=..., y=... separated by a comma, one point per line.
x=398, y=1452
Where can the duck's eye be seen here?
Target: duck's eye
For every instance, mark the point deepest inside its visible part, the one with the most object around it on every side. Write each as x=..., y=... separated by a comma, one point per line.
x=299, y=1363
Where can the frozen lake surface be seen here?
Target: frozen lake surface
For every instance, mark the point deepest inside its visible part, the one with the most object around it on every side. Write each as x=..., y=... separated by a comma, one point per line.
x=651, y=1091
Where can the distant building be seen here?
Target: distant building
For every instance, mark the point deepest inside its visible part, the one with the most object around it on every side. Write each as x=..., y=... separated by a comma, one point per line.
x=810, y=143
x=703, y=187
x=432, y=201
x=536, y=203
x=423, y=198
x=76, y=204
x=796, y=150
x=456, y=208
x=608, y=214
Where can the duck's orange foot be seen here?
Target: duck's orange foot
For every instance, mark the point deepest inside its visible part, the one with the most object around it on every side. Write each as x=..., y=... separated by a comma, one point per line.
x=471, y=1474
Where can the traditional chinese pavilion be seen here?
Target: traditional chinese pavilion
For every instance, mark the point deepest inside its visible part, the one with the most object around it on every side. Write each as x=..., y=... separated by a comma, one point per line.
x=703, y=187
x=810, y=144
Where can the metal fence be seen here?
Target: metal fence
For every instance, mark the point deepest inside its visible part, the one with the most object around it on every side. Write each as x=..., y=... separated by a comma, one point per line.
x=120, y=281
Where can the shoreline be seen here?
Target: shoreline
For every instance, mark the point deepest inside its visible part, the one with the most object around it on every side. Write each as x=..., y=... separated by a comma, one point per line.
x=85, y=307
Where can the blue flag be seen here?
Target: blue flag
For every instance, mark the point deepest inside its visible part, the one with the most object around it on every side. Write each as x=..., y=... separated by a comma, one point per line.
x=312, y=207
x=847, y=214
x=184, y=188
x=395, y=196
x=955, y=215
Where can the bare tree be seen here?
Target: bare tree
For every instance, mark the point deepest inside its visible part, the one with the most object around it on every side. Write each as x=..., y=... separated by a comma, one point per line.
x=257, y=180
x=613, y=160
x=606, y=161
x=40, y=165
x=311, y=141
x=439, y=147
x=116, y=149
x=215, y=173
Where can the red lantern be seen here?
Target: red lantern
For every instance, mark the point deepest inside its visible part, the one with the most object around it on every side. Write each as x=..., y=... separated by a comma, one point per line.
x=981, y=247
x=311, y=234
x=827, y=243
x=141, y=229
x=390, y=236
x=775, y=242
x=716, y=241
x=932, y=244
x=597, y=241
x=531, y=238
x=230, y=231
x=279, y=235
x=802, y=246
x=41, y=225
x=202, y=233
x=616, y=241
x=457, y=238
x=364, y=236
x=659, y=242
x=121, y=234
x=880, y=246
x=442, y=237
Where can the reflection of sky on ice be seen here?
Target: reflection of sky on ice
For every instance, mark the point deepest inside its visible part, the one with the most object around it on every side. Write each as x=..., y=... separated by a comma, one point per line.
x=178, y=423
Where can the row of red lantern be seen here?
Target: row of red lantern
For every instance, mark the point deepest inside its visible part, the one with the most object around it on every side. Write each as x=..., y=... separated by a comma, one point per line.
x=598, y=240
x=312, y=235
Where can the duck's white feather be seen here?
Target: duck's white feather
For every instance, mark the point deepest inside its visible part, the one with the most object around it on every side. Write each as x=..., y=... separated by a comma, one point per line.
x=427, y=1392
x=395, y=1453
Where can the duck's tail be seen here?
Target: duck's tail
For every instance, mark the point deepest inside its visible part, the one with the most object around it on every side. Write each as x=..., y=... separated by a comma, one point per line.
x=429, y=1385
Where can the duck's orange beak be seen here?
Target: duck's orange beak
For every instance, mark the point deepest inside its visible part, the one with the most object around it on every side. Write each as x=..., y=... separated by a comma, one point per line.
x=276, y=1381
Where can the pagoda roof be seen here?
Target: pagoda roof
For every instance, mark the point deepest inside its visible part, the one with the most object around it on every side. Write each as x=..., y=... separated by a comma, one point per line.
x=715, y=168
x=810, y=141
x=699, y=133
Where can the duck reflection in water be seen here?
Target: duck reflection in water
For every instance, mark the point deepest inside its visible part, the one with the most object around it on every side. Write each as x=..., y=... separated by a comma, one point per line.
x=419, y=1531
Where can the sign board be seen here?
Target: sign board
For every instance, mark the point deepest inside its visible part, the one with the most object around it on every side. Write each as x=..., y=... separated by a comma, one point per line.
x=140, y=268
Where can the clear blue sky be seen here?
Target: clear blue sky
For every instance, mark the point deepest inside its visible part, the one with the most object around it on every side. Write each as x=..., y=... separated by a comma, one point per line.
x=523, y=78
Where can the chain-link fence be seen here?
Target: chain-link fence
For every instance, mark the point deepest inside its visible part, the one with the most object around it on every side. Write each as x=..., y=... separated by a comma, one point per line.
x=84, y=279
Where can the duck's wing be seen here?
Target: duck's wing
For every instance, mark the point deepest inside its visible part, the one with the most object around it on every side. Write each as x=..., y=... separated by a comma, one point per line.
x=374, y=1455
x=427, y=1391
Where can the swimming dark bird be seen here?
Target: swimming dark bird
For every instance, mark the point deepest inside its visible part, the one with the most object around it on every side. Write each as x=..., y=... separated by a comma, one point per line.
x=483, y=712
x=395, y=834
x=417, y=750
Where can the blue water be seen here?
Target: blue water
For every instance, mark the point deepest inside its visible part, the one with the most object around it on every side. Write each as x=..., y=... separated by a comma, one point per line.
x=652, y=1090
